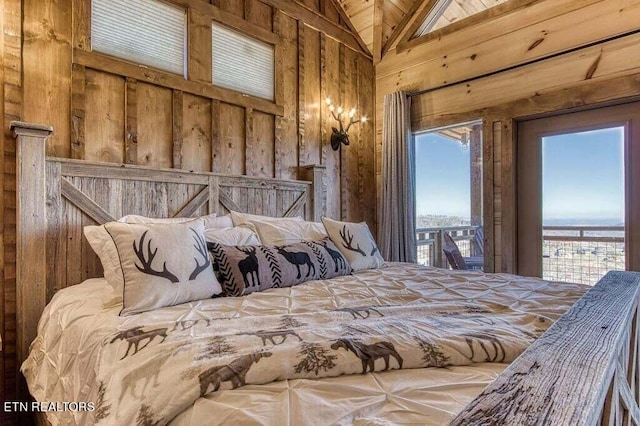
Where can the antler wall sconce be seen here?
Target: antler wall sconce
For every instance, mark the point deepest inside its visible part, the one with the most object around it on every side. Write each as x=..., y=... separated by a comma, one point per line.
x=341, y=135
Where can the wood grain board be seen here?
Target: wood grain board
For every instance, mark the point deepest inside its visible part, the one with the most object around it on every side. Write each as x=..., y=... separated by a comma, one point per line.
x=564, y=377
x=104, y=122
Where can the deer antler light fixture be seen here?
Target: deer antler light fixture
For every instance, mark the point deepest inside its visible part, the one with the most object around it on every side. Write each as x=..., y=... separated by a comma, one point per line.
x=341, y=135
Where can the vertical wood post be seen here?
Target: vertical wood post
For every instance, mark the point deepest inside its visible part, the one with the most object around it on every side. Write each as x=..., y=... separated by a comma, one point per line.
x=316, y=205
x=475, y=148
x=214, y=194
x=31, y=230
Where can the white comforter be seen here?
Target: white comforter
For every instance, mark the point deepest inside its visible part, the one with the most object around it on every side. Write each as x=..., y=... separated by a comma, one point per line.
x=72, y=359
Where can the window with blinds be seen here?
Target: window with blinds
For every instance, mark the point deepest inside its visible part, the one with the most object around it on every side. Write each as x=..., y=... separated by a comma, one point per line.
x=148, y=32
x=242, y=63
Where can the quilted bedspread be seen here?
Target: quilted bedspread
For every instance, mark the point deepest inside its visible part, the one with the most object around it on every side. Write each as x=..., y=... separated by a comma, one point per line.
x=149, y=368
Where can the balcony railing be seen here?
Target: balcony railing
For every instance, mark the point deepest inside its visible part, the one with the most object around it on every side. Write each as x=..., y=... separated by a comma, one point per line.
x=581, y=254
x=430, y=242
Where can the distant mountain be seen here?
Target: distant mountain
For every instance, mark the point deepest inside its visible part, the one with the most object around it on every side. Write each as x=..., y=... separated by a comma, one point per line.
x=568, y=221
x=440, y=221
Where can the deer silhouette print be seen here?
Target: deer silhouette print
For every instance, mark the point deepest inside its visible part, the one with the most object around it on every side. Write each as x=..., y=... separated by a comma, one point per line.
x=368, y=354
x=297, y=259
x=249, y=267
x=201, y=248
x=147, y=373
x=272, y=335
x=497, y=354
x=235, y=372
x=363, y=312
x=338, y=258
x=347, y=242
x=147, y=260
x=135, y=335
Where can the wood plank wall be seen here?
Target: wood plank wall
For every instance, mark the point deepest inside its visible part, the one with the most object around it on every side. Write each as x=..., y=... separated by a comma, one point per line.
x=546, y=57
x=104, y=109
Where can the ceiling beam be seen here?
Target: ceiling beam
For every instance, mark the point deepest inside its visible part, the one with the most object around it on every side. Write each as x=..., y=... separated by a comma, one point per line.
x=349, y=24
x=318, y=22
x=491, y=13
x=401, y=27
x=378, y=14
x=420, y=16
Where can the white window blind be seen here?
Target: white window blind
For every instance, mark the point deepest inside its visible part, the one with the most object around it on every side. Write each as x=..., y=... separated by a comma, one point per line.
x=148, y=32
x=242, y=63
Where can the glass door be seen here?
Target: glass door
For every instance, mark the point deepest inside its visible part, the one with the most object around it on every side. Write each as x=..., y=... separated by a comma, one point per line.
x=577, y=211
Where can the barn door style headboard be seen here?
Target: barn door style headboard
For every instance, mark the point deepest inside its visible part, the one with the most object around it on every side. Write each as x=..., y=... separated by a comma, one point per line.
x=57, y=197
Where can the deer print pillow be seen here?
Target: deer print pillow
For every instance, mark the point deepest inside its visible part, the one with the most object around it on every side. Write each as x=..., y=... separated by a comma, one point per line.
x=163, y=264
x=246, y=269
x=355, y=242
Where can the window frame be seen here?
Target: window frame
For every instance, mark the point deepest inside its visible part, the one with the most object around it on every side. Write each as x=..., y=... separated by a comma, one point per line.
x=251, y=35
x=185, y=42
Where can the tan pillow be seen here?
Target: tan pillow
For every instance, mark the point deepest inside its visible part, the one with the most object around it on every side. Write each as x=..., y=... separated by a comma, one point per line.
x=355, y=242
x=236, y=236
x=102, y=244
x=210, y=220
x=244, y=218
x=163, y=264
x=288, y=231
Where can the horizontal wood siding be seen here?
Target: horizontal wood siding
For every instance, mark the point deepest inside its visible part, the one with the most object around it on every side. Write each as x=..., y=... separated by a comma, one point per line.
x=105, y=109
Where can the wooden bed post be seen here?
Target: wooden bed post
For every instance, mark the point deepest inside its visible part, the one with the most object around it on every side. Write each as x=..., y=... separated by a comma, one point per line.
x=31, y=230
x=315, y=174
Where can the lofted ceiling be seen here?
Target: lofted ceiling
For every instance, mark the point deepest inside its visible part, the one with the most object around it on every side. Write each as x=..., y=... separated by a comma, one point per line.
x=361, y=14
x=382, y=18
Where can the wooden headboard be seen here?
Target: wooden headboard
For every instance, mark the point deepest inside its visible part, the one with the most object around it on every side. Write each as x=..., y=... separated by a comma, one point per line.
x=57, y=197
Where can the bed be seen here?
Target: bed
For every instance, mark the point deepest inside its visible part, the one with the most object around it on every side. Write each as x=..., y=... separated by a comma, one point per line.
x=515, y=350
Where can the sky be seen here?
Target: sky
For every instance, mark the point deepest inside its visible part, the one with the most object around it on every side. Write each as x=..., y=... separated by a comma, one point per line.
x=442, y=176
x=582, y=176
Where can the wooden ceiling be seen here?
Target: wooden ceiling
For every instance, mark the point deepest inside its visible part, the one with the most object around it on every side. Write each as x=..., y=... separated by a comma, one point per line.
x=454, y=11
x=388, y=12
x=380, y=22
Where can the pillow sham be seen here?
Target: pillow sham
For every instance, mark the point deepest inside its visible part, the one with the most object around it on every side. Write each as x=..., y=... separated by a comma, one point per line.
x=104, y=247
x=235, y=236
x=162, y=264
x=288, y=231
x=246, y=269
x=355, y=242
x=244, y=218
x=210, y=220
x=102, y=243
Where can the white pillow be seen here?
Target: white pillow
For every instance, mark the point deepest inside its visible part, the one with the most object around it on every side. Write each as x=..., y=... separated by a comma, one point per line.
x=221, y=222
x=288, y=231
x=244, y=218
x=163, y=264
x=236, y=236
x=355, y=242
x=103, y=245
x=210, y=220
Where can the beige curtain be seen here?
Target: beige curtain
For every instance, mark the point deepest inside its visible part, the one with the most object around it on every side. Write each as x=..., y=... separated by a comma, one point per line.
x=397, y=217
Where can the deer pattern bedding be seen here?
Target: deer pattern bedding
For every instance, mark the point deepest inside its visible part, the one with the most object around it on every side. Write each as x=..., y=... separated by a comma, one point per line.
x=149, y=368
